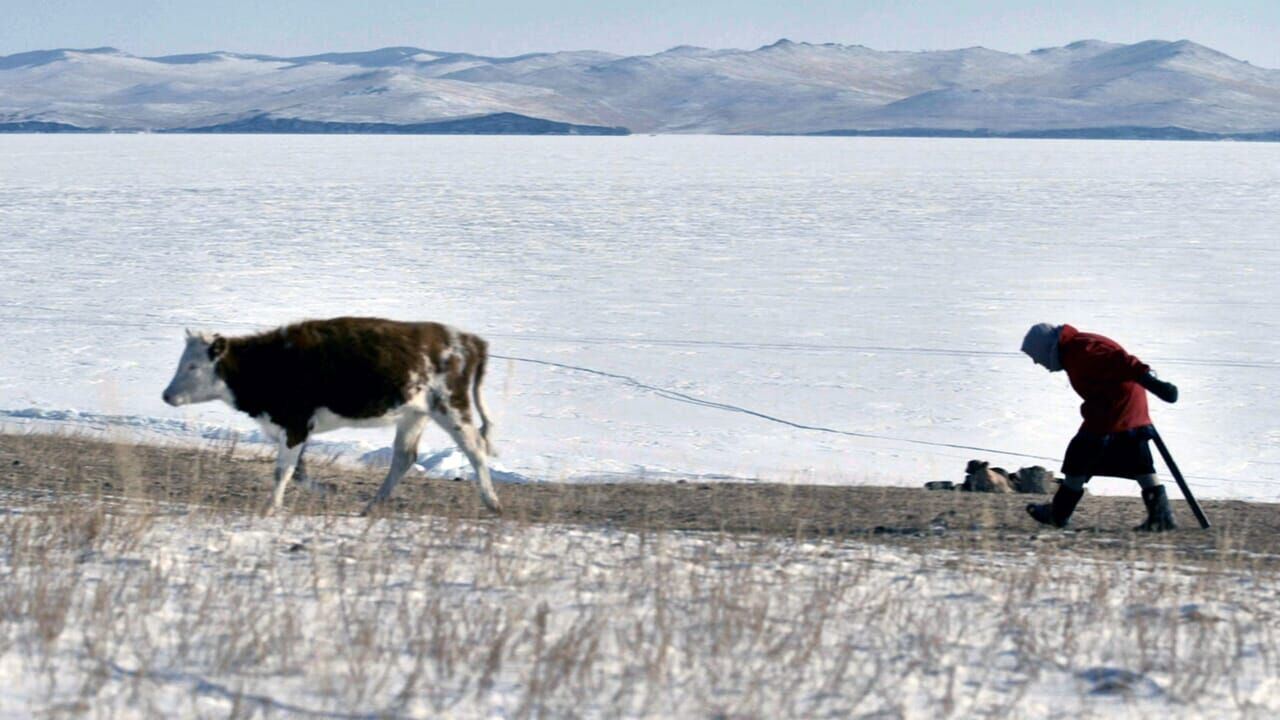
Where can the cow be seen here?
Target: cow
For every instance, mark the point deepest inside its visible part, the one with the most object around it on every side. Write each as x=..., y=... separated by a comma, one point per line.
x=319, y=375
x=1034, y=480
x=980, y=477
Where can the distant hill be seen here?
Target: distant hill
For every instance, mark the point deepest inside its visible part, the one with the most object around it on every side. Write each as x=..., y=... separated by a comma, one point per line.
x=1090, y=88
x=495, y=124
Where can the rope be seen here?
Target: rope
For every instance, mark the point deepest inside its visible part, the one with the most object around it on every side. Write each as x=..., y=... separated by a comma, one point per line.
x=677, y=396
x=668, y=394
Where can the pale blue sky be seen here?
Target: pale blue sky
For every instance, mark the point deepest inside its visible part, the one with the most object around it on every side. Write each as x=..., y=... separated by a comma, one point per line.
x=1246, y=29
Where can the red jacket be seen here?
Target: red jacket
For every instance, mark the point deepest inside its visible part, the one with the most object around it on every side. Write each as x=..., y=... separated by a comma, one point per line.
x=1106, y=377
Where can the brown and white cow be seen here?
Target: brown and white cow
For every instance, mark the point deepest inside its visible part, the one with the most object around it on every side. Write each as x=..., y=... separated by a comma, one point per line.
x=320, y=375
x=980, y=477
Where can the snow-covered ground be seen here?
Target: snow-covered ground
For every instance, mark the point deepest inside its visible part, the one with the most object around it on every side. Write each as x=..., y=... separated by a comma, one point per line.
x=655, y=289
x=156, y=611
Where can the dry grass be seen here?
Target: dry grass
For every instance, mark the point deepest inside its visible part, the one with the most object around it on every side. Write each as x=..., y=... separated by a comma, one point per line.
x=218, y=476
x=161, y=596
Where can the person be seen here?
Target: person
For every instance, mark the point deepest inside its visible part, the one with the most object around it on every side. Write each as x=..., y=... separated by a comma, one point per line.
x=1113, y=439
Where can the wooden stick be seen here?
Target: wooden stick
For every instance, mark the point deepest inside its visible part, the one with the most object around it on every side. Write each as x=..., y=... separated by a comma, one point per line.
x=1177, y=475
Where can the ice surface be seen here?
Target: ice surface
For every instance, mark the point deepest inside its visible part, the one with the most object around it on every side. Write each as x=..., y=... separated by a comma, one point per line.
x=873, y=286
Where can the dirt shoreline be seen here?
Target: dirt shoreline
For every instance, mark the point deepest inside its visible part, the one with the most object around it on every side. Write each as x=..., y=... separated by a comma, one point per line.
x=222, y=478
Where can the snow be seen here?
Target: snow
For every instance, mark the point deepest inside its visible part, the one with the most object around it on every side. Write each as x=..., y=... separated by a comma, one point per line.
x=658, y=291
x=786, y=87
x=178, y=612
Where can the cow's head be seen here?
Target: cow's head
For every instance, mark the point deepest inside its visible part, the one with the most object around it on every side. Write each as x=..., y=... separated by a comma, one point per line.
x=196, y=379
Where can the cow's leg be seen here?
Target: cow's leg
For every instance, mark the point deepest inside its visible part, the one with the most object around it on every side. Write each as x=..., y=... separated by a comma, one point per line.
x=404, y=454
x=303, y=479
x=287, y=457
x=469, y=440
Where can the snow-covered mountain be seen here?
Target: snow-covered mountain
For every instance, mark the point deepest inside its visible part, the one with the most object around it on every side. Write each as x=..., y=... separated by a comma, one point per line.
x=786, y=87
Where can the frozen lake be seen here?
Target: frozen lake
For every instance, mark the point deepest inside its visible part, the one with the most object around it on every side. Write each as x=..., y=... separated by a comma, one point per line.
x=874, y=286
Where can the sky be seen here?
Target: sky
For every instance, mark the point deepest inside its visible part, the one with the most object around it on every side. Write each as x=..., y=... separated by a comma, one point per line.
x=1245, y=29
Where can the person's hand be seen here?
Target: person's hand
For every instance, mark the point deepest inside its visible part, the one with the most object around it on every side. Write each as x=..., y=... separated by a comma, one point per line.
x=1166, y=391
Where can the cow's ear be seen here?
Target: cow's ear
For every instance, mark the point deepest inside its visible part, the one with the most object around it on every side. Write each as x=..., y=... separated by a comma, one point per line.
x=217, y=348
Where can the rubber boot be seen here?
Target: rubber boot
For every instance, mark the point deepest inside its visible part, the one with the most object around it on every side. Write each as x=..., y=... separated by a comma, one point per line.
x=1058, y=512
x=1159, y=514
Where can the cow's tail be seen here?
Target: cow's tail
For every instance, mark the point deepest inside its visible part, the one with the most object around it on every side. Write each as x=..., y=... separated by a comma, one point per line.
x=486, y=426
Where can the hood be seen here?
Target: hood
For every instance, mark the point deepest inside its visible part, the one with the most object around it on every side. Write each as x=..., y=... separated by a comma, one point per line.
x=1041, y=344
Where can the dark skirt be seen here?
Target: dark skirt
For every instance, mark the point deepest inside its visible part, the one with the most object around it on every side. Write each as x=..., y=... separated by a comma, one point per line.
x=1124, y=454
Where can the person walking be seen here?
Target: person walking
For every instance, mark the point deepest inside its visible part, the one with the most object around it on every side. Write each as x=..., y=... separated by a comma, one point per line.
x=1113, y=440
